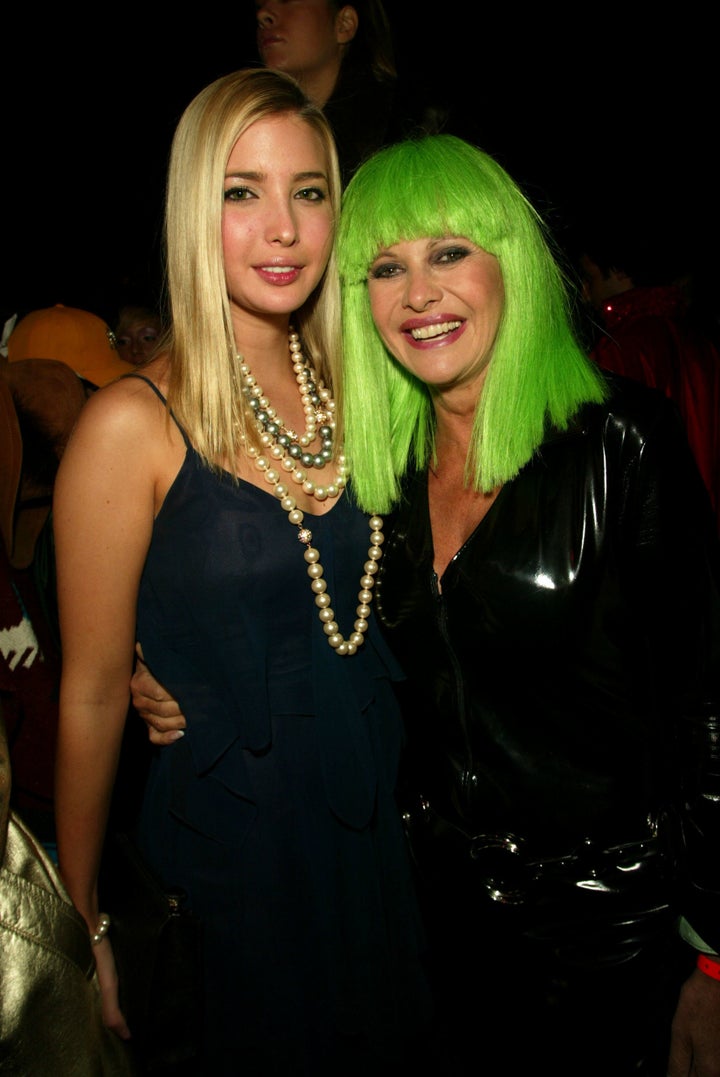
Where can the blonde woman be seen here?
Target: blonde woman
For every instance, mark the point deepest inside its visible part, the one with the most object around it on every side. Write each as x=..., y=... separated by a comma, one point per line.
x=201, y=509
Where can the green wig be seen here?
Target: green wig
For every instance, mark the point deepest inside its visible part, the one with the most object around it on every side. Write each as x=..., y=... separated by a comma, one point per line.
x=440, y=186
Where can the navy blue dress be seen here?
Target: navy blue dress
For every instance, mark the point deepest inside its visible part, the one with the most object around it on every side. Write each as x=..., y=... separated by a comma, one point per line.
x=276, y=812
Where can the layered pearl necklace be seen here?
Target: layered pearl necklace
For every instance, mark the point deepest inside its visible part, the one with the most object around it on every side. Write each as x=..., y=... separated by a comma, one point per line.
x=284, y=448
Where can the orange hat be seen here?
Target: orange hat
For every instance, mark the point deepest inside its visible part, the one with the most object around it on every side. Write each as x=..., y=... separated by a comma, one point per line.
x=75, y=337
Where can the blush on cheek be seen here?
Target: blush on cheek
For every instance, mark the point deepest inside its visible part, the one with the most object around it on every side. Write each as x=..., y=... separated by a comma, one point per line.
x=233, y=234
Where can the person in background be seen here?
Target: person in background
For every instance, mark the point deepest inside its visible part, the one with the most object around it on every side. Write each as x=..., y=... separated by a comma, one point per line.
x=344, y=58
x=56, y=358
x=80, y=339
x=550, y=584
x=647, y=332
x=137, y=332
x=48, y=397
x=202, y=504
x=50, y=1005
x=40, y=401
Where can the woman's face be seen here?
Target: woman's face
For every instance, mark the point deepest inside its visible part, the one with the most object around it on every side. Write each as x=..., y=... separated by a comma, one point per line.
x=278, y=221
x=437, y=304
x=297, y=36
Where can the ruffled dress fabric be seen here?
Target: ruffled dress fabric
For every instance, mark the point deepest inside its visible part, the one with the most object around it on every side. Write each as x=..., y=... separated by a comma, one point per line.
x=276, y=812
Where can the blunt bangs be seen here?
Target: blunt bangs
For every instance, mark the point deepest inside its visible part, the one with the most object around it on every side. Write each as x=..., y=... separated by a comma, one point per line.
x=435, y=186
x=436, y=171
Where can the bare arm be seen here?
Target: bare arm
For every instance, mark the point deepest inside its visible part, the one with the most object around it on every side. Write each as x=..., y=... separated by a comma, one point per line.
x=103, y=515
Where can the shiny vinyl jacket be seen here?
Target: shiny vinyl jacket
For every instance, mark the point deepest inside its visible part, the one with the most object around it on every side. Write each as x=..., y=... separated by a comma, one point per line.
x=563, y=700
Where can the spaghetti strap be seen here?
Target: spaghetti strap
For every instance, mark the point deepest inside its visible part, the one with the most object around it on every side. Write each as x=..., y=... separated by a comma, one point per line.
x=159, y=395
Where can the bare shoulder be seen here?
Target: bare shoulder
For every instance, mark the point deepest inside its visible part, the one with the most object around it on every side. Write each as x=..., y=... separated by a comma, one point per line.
x=123, y=445
x=126, y=410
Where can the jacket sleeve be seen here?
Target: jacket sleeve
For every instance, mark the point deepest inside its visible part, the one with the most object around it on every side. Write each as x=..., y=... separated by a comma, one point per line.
x=676, y=567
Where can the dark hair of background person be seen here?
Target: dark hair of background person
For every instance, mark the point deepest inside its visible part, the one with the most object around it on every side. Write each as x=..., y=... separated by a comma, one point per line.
x=373, y=46
x=367, y=114
x=347, y=66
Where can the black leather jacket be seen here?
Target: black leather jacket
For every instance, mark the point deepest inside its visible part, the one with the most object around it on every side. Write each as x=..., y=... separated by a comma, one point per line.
x=563, y=700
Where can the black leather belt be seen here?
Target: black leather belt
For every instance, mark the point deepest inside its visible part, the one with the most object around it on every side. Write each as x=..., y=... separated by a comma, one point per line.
x=502, y=863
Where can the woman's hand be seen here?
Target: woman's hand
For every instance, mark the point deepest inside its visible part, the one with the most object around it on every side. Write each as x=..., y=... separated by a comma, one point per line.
x=164, y=720
x=113, y=1016
x=695, y=1045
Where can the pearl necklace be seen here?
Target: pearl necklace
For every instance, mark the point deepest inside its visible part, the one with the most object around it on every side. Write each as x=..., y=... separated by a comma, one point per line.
x=284, y=444
x=319, y=408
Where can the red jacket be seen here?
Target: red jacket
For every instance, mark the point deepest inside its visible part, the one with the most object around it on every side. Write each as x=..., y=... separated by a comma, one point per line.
x=649, y=338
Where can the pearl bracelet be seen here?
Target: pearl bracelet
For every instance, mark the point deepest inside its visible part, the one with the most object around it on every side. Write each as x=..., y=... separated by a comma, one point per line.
x=102, y=929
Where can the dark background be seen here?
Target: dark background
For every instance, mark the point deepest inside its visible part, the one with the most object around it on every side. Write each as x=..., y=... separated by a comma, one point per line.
x=607, y=112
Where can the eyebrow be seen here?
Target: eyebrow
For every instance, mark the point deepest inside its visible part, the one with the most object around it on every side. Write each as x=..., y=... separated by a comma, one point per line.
x=258, y=177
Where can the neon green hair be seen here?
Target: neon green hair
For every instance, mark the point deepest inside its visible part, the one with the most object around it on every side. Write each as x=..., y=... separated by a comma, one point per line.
x=439, y=186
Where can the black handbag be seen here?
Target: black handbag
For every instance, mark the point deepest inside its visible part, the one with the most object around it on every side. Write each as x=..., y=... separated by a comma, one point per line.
x=157, y=947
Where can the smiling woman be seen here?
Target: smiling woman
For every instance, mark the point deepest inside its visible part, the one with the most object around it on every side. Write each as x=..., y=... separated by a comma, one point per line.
x=424, y=296
x=283, y=200
x=551, y=585
x=275, y=812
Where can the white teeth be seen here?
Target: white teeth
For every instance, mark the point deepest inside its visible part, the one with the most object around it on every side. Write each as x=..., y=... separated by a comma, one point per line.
x=427, y=332
x=277, y=269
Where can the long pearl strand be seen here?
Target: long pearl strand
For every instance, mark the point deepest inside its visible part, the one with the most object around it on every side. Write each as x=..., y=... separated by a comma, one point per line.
x=286, y=448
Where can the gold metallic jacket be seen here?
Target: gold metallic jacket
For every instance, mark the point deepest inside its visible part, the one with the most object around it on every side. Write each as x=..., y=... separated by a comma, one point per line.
x=50, y=1017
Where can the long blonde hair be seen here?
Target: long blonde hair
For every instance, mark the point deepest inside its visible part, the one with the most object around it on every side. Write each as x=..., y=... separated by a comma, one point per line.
x=205, y=391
